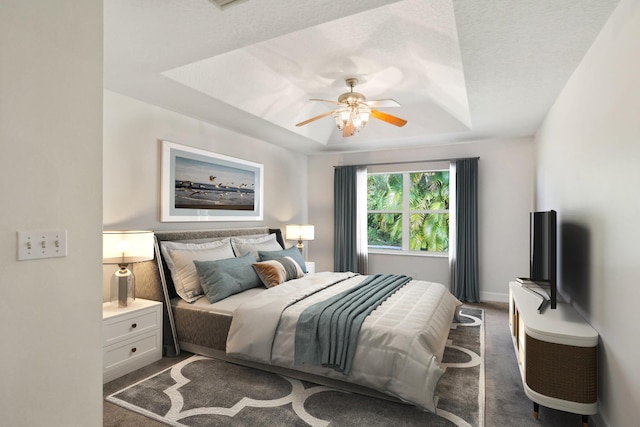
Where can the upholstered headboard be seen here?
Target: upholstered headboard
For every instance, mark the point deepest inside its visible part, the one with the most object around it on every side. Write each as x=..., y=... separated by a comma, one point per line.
x=153, y=279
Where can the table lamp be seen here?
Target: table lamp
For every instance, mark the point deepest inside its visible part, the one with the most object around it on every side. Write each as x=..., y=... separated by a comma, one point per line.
x=124, y=248
x=299, y=232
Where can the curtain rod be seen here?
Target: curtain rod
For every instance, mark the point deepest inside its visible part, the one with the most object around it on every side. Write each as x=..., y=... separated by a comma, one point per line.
x=411, y=161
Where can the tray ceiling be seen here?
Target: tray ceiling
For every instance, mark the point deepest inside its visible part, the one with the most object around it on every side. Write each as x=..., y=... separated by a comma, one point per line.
x=461, y=70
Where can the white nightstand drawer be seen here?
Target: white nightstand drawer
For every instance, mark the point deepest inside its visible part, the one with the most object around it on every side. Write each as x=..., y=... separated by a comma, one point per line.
x=131, y=354
x=130, y=325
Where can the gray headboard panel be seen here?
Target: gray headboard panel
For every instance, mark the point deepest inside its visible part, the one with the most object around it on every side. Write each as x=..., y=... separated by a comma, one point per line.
x=153, y=280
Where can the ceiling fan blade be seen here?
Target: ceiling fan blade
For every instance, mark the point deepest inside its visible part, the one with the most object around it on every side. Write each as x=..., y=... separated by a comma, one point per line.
x=313, y=119
x=348, y=130
x=388, y=118
x=325, y=100
x=383, y=103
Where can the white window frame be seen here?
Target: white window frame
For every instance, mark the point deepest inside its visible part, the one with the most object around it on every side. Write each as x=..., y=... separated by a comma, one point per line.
x=406, y=214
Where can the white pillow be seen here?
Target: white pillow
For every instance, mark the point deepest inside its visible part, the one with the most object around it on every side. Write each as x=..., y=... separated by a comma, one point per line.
x=179, y=258
x=243, y=245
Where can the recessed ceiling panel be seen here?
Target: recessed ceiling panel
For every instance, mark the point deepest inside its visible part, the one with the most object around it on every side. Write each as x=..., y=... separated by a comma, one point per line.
x=407, y=51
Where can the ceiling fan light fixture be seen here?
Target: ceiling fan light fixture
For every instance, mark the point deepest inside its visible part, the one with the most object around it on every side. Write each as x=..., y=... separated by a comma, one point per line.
x=354, y=111
x=357, y=119
x=364, y=113
x=345, y=115
x=355, y=116
x=337, y=116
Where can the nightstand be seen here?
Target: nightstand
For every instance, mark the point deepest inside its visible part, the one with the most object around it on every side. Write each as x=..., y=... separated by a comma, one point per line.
x=131, y=337
x=311, y=267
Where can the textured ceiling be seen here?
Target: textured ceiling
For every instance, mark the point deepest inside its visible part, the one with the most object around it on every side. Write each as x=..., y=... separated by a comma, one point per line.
x=461, y=70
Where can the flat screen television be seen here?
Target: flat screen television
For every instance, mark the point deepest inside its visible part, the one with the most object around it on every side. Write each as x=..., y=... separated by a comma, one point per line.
x=542, y=254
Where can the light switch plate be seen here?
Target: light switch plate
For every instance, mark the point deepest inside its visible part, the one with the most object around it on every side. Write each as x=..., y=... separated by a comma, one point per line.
x=42, y=244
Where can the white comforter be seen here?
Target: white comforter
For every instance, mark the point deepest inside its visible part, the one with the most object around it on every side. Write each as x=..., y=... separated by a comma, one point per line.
x=400, y=344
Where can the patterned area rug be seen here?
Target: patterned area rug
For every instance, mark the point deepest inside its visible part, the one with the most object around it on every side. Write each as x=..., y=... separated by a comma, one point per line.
x=201, y=391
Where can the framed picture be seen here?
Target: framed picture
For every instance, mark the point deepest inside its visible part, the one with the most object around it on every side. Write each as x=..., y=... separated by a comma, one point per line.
x=198, y=185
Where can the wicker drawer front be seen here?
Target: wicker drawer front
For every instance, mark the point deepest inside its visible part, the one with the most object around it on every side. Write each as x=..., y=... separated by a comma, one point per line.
x=561, y=371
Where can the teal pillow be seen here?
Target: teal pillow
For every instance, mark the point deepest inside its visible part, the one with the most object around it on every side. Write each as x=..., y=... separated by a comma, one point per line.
x=222, y=278
x=293, y=252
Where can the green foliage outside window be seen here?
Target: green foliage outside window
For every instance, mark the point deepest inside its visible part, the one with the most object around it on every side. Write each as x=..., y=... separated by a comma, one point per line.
x=425, y=215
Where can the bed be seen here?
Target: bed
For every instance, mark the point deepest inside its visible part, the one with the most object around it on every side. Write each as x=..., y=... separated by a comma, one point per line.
x=395, y=351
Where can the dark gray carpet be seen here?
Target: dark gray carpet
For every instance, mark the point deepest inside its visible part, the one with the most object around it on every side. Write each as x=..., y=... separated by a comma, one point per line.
x=203, y=392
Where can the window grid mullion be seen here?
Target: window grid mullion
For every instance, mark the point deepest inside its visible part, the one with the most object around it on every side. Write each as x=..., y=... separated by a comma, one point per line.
x=428, y=211
x=406, y=213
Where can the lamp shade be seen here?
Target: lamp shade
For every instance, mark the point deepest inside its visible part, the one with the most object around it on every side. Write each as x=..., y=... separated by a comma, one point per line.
x=299, y=232
x=125, y=247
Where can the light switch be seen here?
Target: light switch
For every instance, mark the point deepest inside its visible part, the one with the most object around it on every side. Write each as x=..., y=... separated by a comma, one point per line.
x=41, y=244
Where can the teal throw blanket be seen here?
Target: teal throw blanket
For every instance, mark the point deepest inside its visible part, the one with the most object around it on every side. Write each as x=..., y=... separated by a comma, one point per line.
x=327, y=332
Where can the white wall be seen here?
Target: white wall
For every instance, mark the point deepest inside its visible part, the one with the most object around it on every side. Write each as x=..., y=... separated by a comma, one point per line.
x=506, y=176
x=51, y=178
x=133, y=131
x=588, y=151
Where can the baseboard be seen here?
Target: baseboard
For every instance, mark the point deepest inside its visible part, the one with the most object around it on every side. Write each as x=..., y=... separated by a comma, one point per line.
x=494, y=296
x=597, y=421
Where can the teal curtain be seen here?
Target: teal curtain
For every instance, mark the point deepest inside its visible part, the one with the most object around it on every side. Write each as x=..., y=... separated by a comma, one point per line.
x=350, y=219
x=466, y=284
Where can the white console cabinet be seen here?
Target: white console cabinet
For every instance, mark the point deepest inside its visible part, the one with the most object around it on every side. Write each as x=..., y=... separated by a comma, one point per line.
x=132, y=337
x=556, y=352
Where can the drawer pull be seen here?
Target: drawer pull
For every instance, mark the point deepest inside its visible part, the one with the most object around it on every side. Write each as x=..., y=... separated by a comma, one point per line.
x=133, y=350
x=135, y=325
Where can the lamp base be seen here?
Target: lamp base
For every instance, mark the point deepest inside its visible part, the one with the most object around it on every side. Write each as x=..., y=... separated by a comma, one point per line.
x=122, y=287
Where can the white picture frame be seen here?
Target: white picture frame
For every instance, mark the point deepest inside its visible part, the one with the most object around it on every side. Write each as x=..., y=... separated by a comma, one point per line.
x=198, y=185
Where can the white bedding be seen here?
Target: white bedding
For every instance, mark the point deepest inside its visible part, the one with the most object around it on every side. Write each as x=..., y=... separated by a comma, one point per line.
x=226, y=306
x=400, y=344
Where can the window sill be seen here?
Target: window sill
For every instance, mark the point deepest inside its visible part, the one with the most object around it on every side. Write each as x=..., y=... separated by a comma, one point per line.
x=409, y=253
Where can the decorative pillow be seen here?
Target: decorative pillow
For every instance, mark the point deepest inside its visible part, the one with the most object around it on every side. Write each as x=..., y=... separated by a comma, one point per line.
x=242, y=246
x=277, y=271
x=292, y=252
x=226, y=277
x=179, y=258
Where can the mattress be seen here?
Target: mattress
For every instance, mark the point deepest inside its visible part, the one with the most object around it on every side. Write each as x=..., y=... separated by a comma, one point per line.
x=224, y=307
x=202, y=325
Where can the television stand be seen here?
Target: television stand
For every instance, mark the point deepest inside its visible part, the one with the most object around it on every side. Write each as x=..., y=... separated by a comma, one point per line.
x=556, y=353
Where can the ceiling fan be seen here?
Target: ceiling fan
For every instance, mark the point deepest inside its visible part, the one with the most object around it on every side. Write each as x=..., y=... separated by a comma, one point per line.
x=354, y=110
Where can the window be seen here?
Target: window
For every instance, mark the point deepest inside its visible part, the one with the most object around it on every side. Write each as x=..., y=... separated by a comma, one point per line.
x=408, y=211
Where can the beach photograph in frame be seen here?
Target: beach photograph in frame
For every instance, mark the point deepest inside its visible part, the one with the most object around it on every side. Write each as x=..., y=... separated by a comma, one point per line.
x=199, y=185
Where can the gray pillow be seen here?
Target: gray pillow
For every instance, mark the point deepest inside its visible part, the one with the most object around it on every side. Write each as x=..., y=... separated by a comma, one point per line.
x=292, y=252
x=226, y=277
x=242, y=245
x=179, y=257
